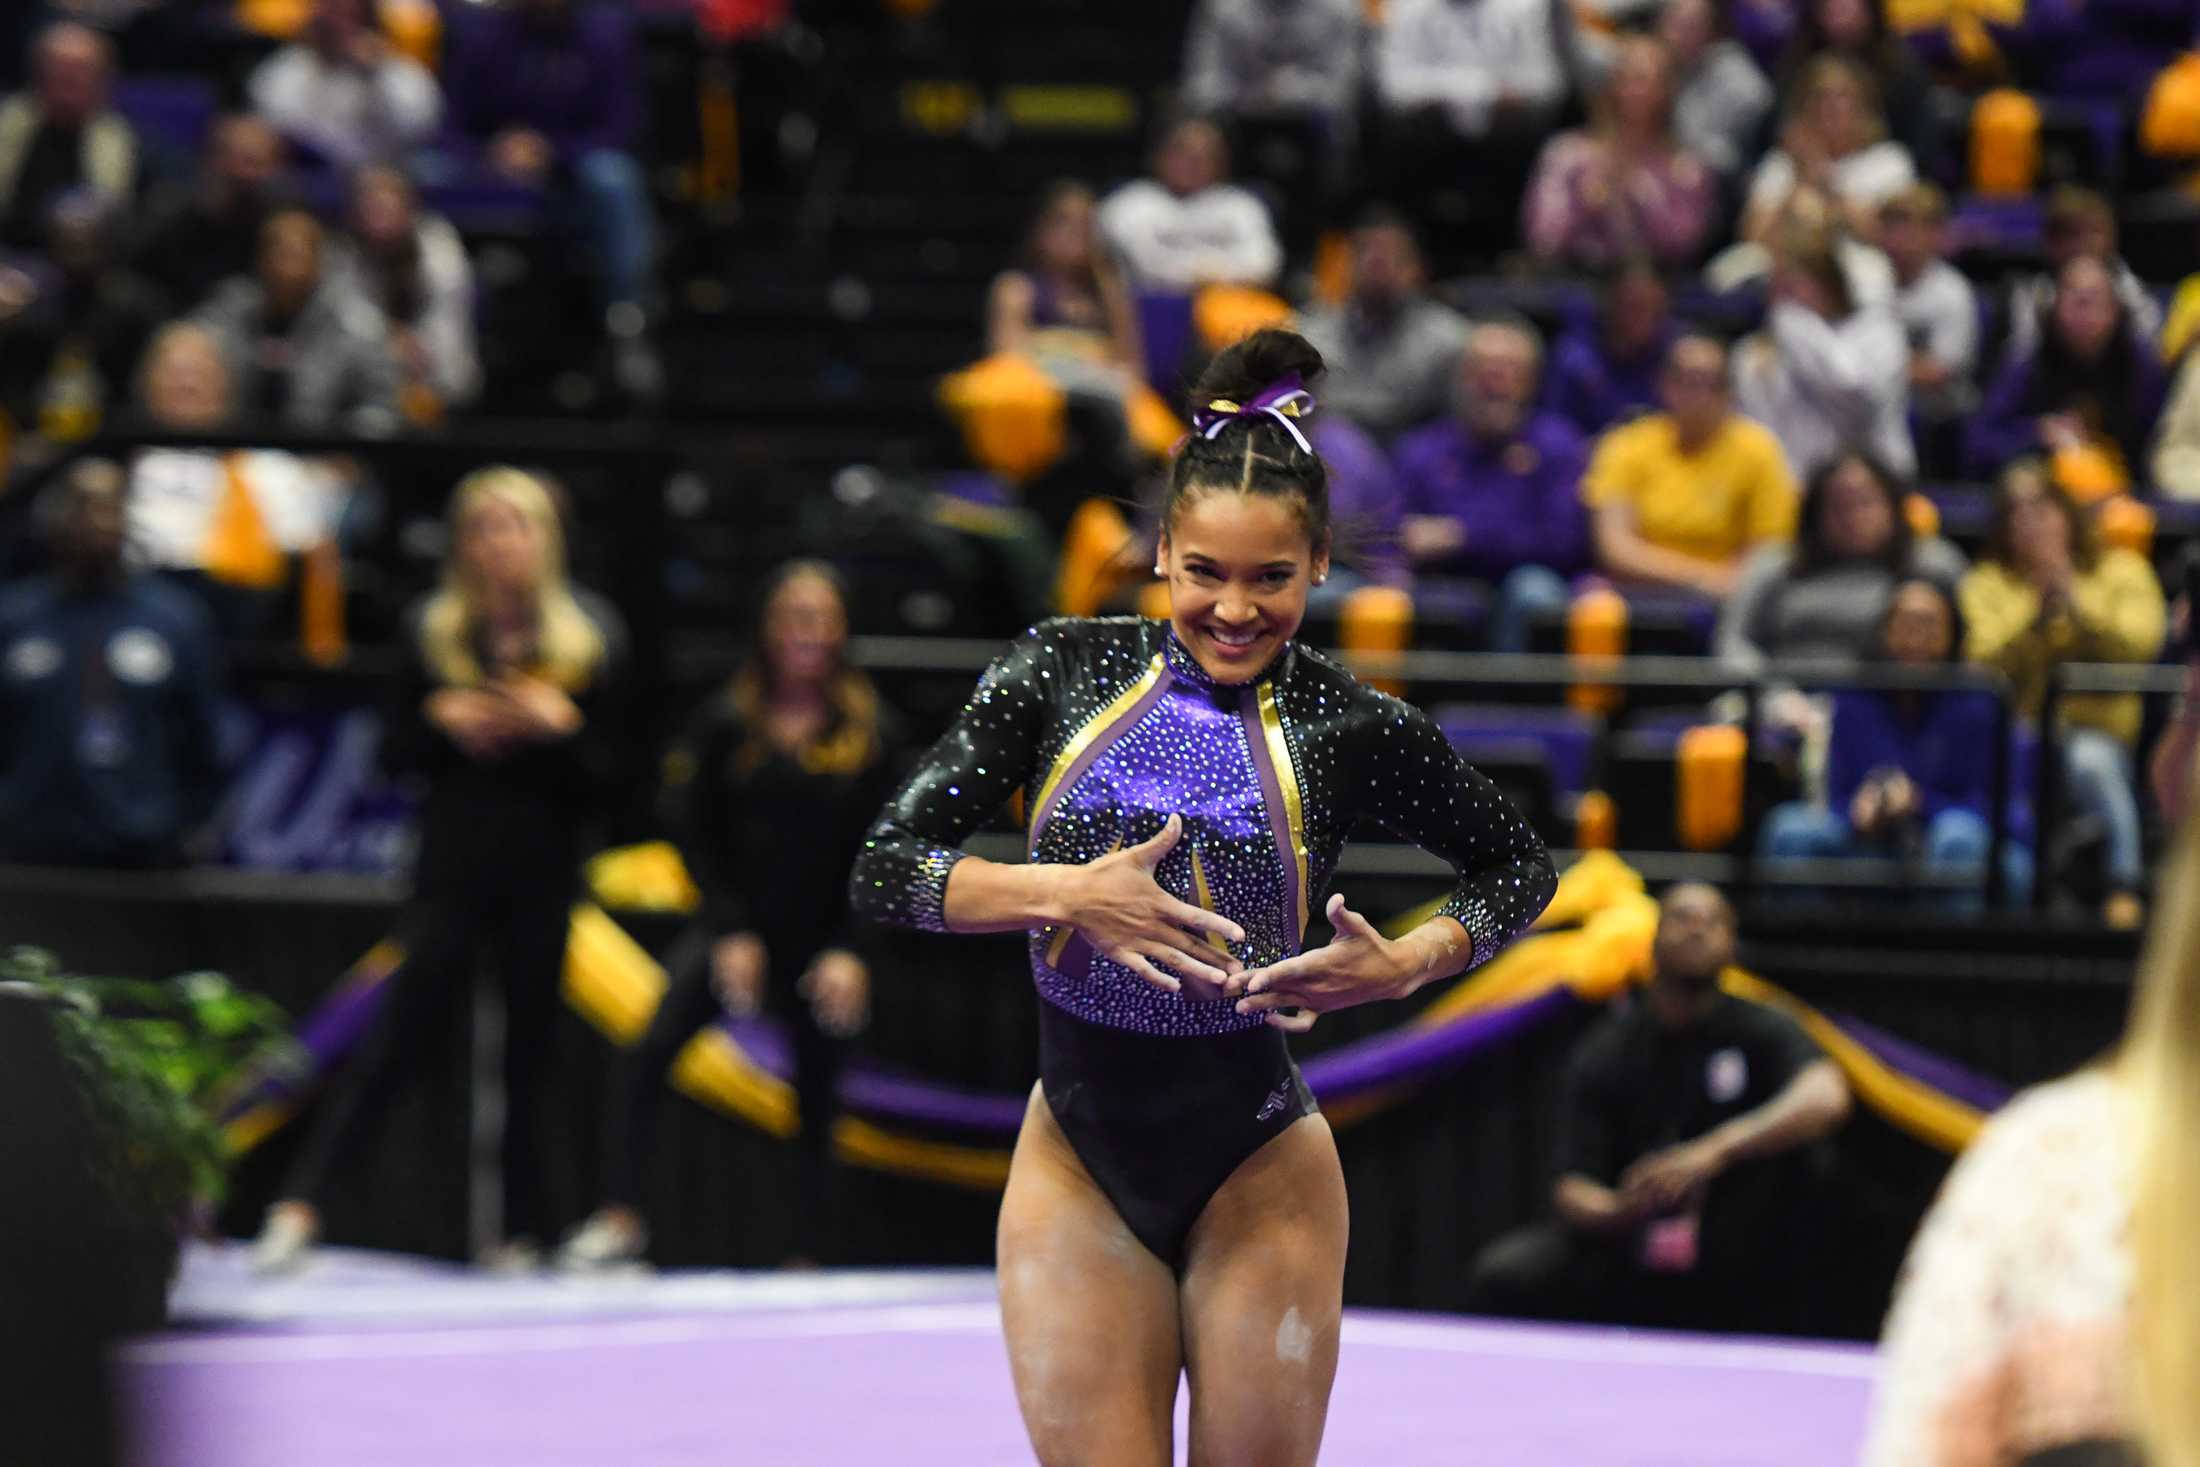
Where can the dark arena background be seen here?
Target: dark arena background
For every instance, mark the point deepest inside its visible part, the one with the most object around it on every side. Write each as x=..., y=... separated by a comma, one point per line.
x=1761, y=436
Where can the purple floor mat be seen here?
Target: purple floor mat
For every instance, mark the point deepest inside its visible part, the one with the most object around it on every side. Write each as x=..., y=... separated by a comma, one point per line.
x=926, y=1382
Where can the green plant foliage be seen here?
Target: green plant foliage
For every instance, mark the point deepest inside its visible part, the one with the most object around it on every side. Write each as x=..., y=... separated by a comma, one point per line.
x=155, y=1059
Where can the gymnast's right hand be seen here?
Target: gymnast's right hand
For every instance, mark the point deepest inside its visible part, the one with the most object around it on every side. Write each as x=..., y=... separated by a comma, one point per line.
x=1118, y=907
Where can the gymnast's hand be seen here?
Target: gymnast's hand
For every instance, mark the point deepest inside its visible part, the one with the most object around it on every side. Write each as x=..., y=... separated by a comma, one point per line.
x=1116, y=905
x=1358, y=965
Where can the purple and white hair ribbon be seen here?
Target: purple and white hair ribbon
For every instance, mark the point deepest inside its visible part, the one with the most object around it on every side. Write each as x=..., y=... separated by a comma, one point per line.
x=1285, y=399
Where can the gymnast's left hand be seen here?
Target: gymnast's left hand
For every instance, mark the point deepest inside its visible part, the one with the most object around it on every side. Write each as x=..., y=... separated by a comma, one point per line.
x=1358, y=965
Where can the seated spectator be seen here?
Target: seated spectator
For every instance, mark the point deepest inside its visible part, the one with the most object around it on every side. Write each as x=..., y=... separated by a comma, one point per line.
x=1188, y=225
x=230, y=527
x=1065, y=300
x=1908, y=772
x=1690, y=1153
x=1830, y=371
x=199, y=234
x=1624, y=187
x=108, y=685
x=1275, y=58
x=1857, y=30
x=413, y=267
x=1682, y=497
x=1493, y=494
x=1822, y=599
x=2080, y=224
x=1392, y=348
x=1607, y=372
x=62, y=134
x=343, y=93
x=70, y=354
x=1835, y=145
x=1935, y=303
x=1467, y=95
x=2177, y=446
x=2088, y=396
x=2046, y=592
x=551, y=89
x=1720, y=98
x=301, y=348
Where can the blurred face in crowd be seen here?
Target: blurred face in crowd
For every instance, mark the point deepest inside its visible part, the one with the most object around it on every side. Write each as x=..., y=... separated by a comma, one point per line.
x=1847, y=23
x=1921, y=627
x=1688, y=28
x=1912, y=235
x=500, y=548
x=336, y=25
x=2076, y=232
x=1838, y=112
x=1193, y=156
x=1856, y=515
x=1693, y=386
x=1497, y=381
x=1641, y=89
x=1063, y=241
x=805, y=628
x=2086, y=312
x=2039, y=533
x=1386, y=267
x=186, y=381
x=1695, y=936
x=382, y=208
x=72, y=74
x=290, y=258
x=1635, y=313
x=246, y=155
x=1238, y=568
x=91, y=528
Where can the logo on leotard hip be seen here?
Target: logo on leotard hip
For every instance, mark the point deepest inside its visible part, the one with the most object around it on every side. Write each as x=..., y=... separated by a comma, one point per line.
x=1277, y=1099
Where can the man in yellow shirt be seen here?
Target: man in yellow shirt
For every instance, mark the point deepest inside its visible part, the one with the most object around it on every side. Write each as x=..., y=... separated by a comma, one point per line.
x=1681, y=497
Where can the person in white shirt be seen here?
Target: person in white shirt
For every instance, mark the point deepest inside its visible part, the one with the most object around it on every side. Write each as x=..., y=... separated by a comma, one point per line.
x=1835, y=144
x=1188, y=225
x=345, y=93
x=1720, y=97
x=1268, y=58
x=1938, y=308
x=1828, y=373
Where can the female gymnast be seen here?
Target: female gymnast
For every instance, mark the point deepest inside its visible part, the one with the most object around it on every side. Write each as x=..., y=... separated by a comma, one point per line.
x=1175, y=1204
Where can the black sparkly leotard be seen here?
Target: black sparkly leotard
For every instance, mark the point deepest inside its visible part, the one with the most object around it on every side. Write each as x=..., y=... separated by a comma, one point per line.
x=1109, y=726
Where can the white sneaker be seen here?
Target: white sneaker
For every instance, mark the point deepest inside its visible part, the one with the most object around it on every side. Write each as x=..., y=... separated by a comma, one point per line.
x=286, y=1240
x=604, y=1243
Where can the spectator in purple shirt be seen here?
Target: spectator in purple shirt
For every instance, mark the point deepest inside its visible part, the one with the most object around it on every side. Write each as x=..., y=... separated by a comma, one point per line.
x=1606, y=371
x=1905, y=776
x=1493, y=494
x=551, y=89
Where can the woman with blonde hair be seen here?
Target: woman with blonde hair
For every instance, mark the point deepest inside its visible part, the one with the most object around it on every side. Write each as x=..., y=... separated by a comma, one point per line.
x=1834, y=146
x=2050, y=1309
x=502, y=712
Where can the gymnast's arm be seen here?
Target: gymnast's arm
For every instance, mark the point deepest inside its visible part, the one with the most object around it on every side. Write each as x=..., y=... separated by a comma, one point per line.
x=912, y=871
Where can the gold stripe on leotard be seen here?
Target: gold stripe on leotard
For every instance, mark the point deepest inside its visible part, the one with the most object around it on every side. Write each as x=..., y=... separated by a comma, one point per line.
x=1204, y=896
x=1124, y=701
x=1279, y=754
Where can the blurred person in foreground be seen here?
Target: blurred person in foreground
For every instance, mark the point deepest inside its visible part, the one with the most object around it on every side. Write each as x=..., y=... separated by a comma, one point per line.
x=62, y=134
x=505, y=710
x=108, y=694
x=2050, y=1307
x=798, y=741
x=1689, y=1154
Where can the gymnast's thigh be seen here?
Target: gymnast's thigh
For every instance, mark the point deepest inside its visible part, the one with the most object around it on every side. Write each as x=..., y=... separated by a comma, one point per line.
x=1090, y=1314
x=1263, y=1299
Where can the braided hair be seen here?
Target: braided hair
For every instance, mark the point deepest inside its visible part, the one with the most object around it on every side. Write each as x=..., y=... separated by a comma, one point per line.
x=1253, y=452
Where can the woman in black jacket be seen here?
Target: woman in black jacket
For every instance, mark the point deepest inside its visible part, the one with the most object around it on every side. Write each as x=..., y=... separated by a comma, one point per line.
x=768, y=797
x=504, y=710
